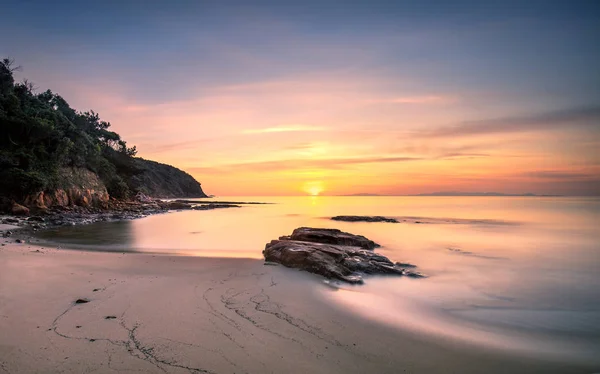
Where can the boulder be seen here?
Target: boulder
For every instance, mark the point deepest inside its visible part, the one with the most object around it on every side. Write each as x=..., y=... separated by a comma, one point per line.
x=364, y=219
x=19, y=210
x=143, y=198
x=60, y=198
x=338, y=261
x=36, y=201
x=330, y=236
x=84, y=201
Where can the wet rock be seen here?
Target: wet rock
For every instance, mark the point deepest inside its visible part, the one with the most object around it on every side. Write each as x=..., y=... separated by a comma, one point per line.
x=364, y=219
x=19, y=241
x=178, y=205
x=215, y=206
x=330, y=236
x=35, y=219
x=343, y=262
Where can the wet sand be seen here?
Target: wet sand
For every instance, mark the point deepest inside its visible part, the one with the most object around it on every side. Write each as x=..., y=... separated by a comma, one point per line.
x=175, y=314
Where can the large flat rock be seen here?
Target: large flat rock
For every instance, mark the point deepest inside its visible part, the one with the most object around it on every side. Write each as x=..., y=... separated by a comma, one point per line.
x=330, y=236
x=337, y=261
x=364, y=219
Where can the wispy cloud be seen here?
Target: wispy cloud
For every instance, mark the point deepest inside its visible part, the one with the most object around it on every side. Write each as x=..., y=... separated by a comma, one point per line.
x=560, y=175
x=429, y=99
x=455, y=155
x=583, y=116
x=290, y=128
x=295, y=164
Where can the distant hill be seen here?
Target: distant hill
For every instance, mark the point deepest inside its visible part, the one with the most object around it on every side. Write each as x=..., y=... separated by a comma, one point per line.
x=164, y=181
x=454, y=193
x=457, y=193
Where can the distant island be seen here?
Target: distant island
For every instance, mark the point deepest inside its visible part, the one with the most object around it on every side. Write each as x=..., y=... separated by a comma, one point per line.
x=52, y=155
x=457, y=193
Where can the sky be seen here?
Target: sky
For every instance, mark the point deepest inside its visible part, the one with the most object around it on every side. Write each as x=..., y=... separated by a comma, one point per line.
x=332, y=97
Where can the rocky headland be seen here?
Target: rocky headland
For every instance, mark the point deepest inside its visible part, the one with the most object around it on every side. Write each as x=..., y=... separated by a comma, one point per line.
x=58, y=163
x=333, y=254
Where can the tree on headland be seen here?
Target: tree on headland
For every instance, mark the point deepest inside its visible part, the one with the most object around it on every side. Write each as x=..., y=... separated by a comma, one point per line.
x=41, y=133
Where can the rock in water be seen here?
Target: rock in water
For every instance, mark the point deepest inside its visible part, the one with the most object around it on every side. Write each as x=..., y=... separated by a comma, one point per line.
x=177, y=205
x=330, y=258
x=330, y=236
x=364, y=219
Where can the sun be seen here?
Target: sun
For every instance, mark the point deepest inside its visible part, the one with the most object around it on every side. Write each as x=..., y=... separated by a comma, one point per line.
x=313, y=188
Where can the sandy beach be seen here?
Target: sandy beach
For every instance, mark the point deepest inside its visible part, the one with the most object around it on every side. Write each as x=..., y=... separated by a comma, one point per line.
x=156, y=313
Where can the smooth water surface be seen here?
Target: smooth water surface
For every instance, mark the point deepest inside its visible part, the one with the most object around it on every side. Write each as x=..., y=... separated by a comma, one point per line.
x=516, y=273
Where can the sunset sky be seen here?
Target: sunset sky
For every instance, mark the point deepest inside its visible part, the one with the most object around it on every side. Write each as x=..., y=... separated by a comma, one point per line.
x=288, y=98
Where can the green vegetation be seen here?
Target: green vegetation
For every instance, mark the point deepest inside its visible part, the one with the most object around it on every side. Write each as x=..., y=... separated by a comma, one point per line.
x=40, y=134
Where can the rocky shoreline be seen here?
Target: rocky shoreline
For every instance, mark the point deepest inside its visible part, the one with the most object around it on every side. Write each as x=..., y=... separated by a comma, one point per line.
x=114, y=210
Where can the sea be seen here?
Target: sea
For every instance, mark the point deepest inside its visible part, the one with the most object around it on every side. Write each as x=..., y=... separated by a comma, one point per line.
x=520, y=274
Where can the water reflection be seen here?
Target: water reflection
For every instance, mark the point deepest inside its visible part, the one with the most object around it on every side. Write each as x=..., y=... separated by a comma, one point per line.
x=107, y=236
x=512, y=273
x=423, y=307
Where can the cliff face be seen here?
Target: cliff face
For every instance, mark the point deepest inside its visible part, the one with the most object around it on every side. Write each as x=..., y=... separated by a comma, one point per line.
x=81, y=187
x=164, y=181
x=78, y=186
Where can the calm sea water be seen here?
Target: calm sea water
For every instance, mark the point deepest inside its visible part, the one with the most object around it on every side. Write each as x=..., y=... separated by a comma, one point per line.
x=520, y=274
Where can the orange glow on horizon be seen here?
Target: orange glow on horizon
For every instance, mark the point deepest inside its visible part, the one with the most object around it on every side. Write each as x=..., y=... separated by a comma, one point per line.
x=350, y=135
x=313, y=188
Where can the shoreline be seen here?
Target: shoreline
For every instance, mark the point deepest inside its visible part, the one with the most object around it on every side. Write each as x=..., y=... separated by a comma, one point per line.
x=200, y=314
x=24, y=226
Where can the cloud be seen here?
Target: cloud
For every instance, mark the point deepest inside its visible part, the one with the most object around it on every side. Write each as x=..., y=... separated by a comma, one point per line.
x=558, y=175
x=299, y=146
x=294, y=164
x=430, y=99
x=447, y=156
x=291, y=128
x=190, y=144
x=582, y=116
